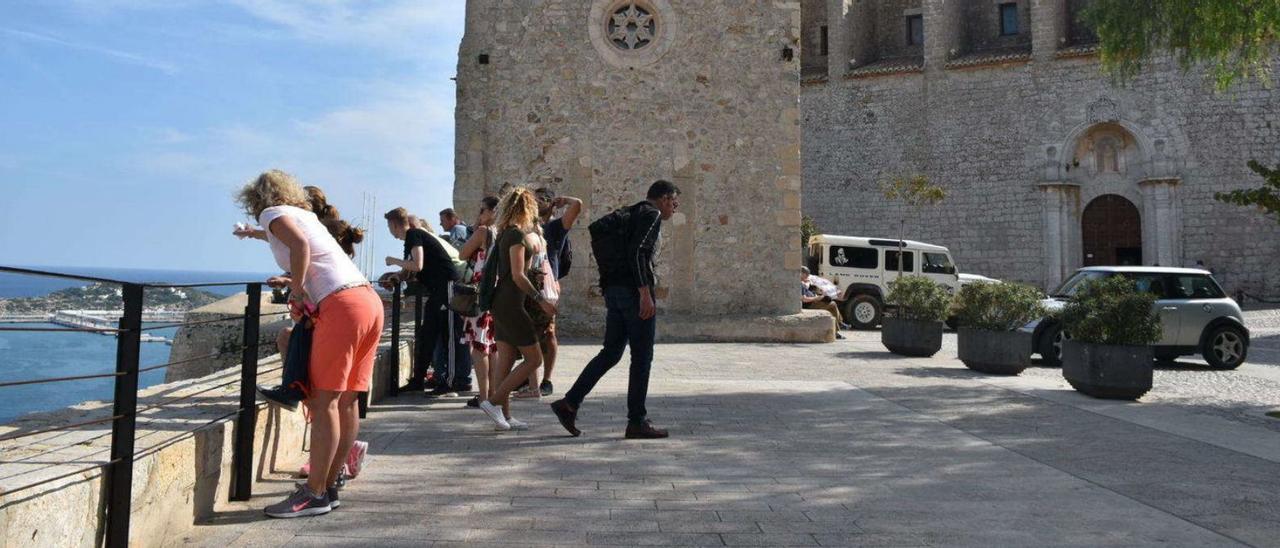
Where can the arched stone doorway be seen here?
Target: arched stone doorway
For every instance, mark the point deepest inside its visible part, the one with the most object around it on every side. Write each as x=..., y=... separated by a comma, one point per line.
x=1111, y=232
x=1127, y=177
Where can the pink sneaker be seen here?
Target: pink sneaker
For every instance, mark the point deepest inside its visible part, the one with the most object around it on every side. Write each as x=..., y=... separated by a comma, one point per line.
x=355, y=459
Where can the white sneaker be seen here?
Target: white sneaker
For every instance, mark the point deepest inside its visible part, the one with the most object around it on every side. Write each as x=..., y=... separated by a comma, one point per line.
x=517, y=424
x=495, y=413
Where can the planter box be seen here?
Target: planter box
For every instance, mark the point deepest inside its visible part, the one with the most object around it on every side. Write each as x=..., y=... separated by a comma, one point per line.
x=914, y=338
x=995, y=352
x=1107, y=371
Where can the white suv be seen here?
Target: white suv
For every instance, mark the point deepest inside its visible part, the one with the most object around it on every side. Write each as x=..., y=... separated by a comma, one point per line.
x=1196, y=316
x=863, y=268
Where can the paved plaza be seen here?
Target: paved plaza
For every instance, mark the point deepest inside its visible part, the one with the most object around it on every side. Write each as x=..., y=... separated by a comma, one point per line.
x=821, y=445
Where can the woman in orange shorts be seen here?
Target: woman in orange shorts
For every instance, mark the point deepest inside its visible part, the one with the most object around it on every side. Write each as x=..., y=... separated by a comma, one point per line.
x=348, y=326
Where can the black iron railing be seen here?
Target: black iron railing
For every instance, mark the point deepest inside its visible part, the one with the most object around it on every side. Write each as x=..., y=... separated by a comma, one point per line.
x=118, y=468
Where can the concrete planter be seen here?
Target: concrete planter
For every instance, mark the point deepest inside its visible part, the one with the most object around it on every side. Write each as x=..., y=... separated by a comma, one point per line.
x=995, y=352
x=1107, y=371
x=914, y=338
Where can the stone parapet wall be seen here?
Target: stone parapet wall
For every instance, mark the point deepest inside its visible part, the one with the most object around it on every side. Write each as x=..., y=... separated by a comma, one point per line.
x=195, y=346
x=178, y=477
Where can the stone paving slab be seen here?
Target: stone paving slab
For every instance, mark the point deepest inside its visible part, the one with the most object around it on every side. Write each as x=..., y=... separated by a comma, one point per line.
x=793, y=445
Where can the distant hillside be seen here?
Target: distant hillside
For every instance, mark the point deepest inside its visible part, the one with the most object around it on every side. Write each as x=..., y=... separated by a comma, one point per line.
x=107, y=297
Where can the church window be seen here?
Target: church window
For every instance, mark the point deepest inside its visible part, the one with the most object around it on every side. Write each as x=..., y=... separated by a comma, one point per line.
x=915, y=30
x=1008, y=19
x=632, y=27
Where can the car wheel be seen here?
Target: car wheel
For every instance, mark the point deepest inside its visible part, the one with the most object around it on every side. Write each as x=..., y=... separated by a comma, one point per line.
x=1225, y=347
x=953, y=323
x=1165, y=355
x=864, y=312
x=1050, y=346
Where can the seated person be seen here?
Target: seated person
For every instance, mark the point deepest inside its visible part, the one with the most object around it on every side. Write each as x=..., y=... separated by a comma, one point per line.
x=821, y=286
x=811, y=300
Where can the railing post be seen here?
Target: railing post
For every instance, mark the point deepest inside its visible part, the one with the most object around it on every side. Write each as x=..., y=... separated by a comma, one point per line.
x=247, y=419
x=393, y=373
x=124, y=406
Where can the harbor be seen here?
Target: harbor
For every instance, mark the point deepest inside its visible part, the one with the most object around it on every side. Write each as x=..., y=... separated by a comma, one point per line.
x=104, y=320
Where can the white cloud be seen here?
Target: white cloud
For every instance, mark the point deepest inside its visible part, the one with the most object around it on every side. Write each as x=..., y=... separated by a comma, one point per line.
x=401, y=133
x=406, y=27
x=113, y=54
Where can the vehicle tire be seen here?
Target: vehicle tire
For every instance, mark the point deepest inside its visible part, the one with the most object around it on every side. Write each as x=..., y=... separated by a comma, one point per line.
x=1225, y=347
x=1050, y=345
x=1166, y=355
x=864, y=312
x=953, y=323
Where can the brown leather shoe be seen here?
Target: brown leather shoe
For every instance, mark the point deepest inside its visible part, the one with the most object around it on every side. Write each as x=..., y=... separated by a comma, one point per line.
x=645, y=431
x=567, y=415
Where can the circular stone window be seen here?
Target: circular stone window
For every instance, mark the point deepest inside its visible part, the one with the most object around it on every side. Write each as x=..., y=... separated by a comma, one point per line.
x=632, y=33
x=632, y=27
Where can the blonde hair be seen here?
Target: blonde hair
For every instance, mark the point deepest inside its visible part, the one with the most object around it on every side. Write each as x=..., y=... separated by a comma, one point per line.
x=519, y=209
x=272, y=188
x=418, y=222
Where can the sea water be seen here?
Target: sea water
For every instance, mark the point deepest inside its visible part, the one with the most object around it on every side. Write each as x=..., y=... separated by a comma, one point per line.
x=41, y=355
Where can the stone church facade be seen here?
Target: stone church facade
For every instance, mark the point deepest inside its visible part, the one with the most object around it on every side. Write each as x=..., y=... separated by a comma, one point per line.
x=599, y=98
x=1048, y=166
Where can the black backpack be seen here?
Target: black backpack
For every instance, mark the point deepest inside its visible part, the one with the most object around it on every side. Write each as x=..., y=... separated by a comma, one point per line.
x=609, y=235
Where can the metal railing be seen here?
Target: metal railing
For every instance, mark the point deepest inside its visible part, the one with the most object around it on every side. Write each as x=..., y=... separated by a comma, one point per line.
x=125, y=411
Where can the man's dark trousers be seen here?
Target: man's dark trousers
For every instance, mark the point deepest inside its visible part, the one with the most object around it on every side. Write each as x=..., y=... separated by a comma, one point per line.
x=434, y=319
x=623, y=327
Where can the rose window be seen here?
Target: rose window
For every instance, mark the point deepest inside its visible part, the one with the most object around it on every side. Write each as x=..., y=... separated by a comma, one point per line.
x=632, y=27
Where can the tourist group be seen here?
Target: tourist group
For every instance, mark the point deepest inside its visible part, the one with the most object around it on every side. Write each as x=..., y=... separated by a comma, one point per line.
x=491, y=295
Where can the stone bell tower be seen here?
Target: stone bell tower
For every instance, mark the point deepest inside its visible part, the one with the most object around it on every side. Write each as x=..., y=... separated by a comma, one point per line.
x=598, y=98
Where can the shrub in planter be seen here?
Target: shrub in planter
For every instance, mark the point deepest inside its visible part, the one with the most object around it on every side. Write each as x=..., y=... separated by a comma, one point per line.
x=989, y=315
x=1112, y=327
x=915, y=329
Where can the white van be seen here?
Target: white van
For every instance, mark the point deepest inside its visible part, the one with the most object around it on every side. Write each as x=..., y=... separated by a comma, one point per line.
x=863, y=267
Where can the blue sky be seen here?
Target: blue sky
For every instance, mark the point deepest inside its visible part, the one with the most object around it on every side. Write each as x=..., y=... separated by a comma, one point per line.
x=127, y=125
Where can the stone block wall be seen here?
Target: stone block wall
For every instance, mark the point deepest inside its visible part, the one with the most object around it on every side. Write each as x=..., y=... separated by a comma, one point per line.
x=1000, y=138
x=544, y=98
x=201, y=349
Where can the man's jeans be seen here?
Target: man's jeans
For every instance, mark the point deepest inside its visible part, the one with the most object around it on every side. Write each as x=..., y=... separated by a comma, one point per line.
x=623, y=327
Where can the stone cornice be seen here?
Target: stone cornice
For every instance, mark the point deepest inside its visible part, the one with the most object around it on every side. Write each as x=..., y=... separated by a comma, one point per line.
x=1081, y=50
x=992, y=57
x=885, y=67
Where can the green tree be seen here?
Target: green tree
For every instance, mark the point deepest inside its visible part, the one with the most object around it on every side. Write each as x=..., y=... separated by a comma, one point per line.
x=1265, y=198
x=808, y=229
x=1237, y=39
x=914, y=193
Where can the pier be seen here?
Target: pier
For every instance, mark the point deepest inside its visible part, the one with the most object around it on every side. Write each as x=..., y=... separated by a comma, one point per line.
x=98, y=319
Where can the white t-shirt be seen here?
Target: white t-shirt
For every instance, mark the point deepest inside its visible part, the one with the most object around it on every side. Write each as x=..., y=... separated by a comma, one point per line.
x=330, y=267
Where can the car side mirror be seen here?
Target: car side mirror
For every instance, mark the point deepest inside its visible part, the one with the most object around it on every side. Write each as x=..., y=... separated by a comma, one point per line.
x=950, y=270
